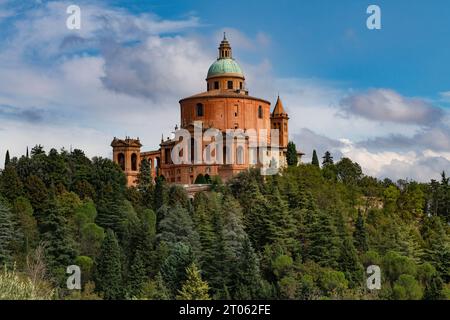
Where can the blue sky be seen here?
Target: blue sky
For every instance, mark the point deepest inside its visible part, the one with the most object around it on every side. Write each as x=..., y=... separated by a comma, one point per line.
x=329, y=39
x=381, y=97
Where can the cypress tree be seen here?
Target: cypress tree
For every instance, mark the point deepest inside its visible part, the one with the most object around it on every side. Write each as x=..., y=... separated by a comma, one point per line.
x=144, y=178
x=291, y=155
x=360, y=234
x=10, y=184
x=7, y=158
x=108, y=273
x=315, y=159
x=159, y=198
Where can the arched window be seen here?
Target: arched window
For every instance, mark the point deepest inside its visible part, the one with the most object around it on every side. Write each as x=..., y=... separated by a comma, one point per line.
x=121, y=159
x=240, y=155
x=134, y=162
x=199, y=110
x=227, y=155
x=192, y=151
x=230, y=84
x=167, y=156
x=157, y=165
x=260, y=112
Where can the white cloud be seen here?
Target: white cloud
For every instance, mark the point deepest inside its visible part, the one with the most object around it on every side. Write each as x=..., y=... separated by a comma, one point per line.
x=136, y=70
x=388, y=106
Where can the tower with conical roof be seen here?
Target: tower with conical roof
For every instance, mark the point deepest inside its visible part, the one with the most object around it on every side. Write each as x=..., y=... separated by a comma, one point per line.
x=279, y=119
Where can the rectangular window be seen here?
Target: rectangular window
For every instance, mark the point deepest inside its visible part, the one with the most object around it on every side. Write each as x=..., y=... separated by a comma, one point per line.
x=199, y=110
x=230, y=84
x=216, y=85
x=240, y=85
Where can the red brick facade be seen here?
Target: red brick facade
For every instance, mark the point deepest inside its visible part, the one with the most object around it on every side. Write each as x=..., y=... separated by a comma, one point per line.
x=225, y=105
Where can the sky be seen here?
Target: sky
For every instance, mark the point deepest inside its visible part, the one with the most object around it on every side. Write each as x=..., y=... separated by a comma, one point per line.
x=379, y=97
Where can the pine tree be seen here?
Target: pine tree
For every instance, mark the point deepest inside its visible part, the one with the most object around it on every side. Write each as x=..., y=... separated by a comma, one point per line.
x=155, y=289
x=349, y=263
x=6, y=234
x=433, y=289
x=360, y=234
x=173, y=270
x=322, y=242
x=37, y=193
x=137, y=276
x=59, y=246
x=194, y=288
x=111, y=215
x=23, y=212
x=256, y=215
x=327, y=159
x=315, y=159
x=437, y=248
x=108, y=273
x=281, y=225
x=177, y=226
x=249, y=278
x=141, y=239
x=7, y=158
x=291, y=155
x=203, y=223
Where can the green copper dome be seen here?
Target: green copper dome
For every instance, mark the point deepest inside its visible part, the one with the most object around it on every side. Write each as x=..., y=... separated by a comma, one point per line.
x=224, y=65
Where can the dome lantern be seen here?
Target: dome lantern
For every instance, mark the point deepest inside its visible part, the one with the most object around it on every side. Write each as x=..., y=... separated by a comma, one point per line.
x=225, y=65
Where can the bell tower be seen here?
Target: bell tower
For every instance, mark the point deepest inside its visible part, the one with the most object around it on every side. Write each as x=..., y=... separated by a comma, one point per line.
x=279, y=120
x=225, y=51
x=127, y=154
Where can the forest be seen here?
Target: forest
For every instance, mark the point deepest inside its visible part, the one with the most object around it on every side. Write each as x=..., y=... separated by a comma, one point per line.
x=307, y=233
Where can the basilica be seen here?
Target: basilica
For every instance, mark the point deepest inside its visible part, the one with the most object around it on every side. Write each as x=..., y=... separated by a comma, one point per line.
x=225, y=106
